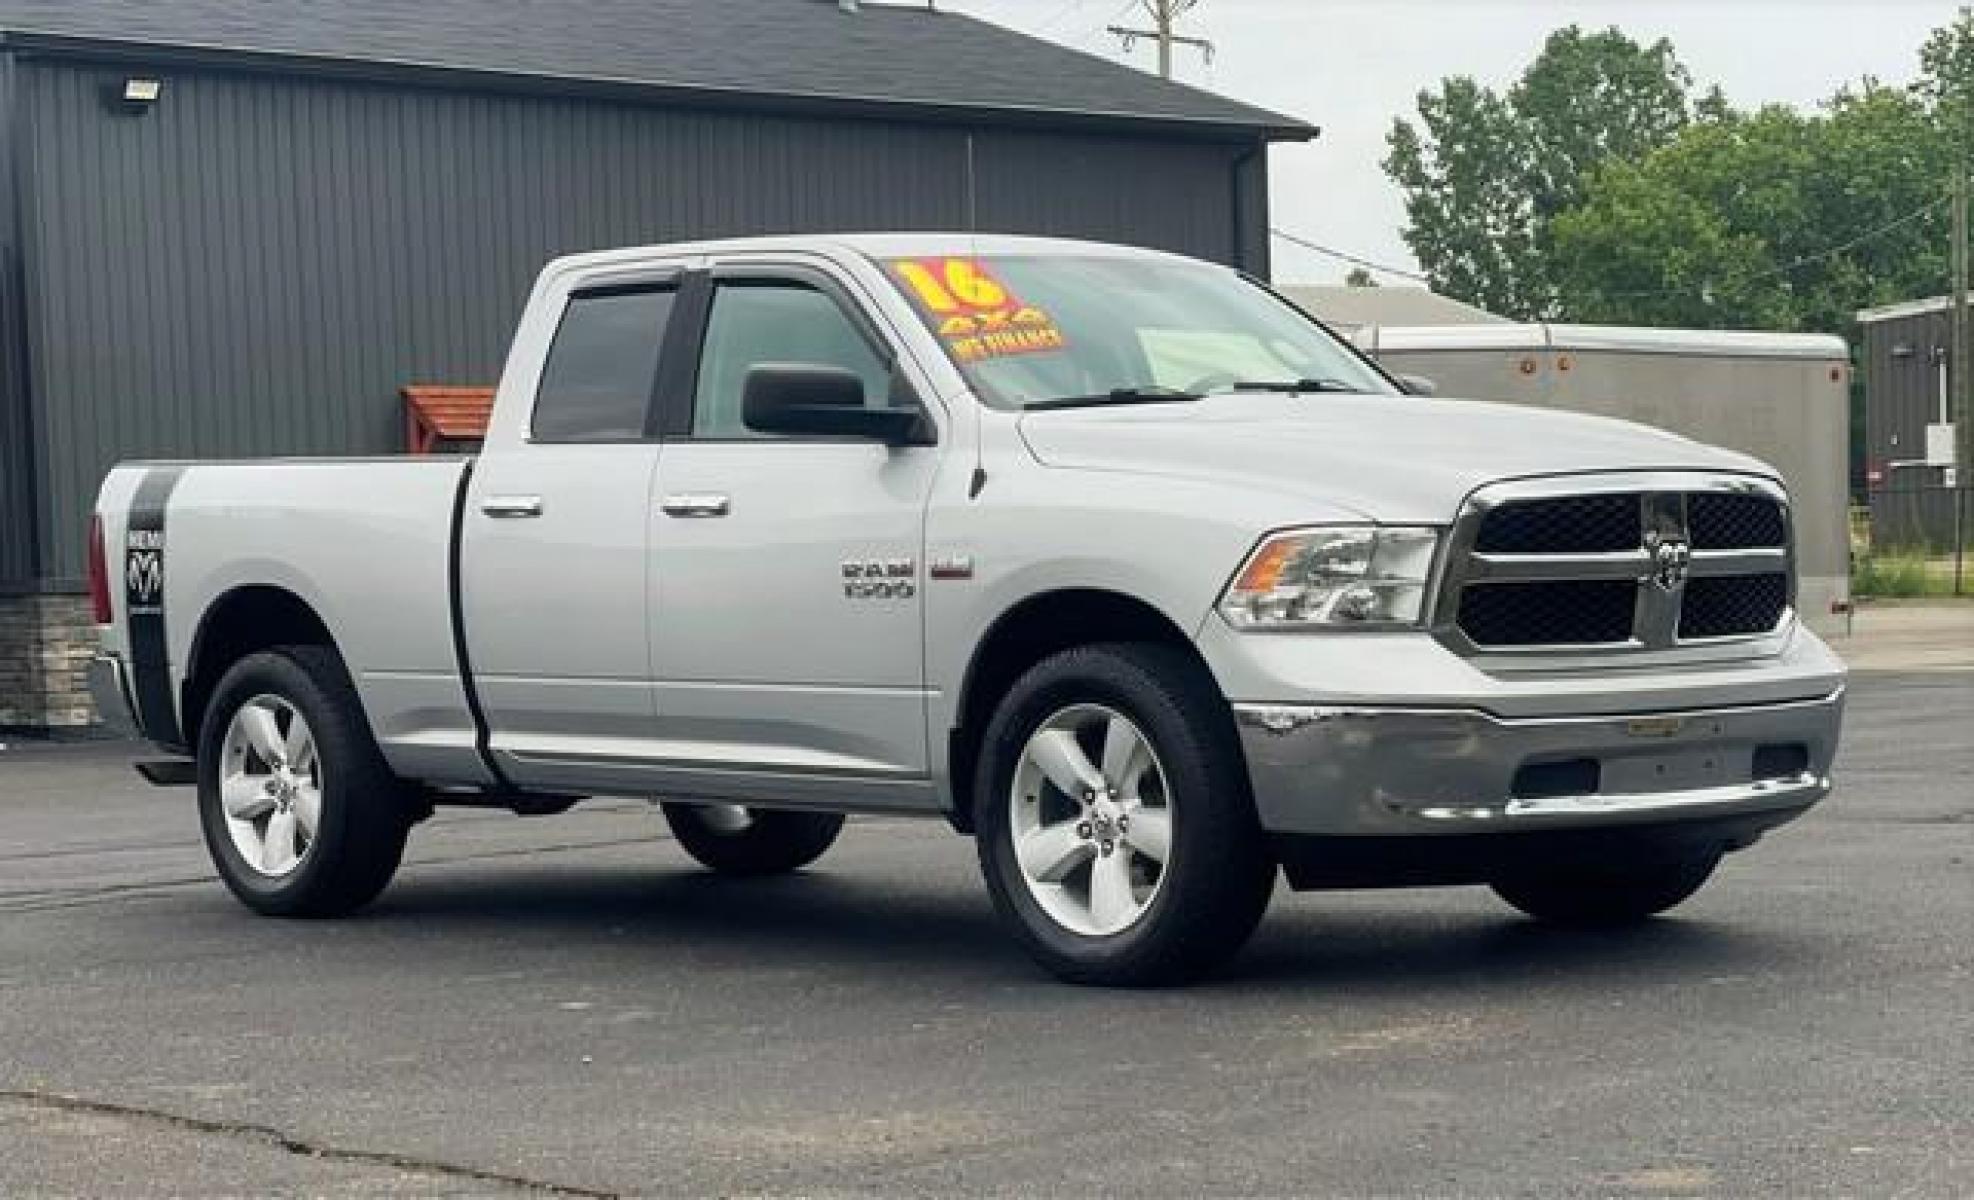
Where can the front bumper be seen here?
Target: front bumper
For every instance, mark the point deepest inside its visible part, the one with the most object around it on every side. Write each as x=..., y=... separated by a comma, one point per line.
x=109, y=687
x=1368, y=771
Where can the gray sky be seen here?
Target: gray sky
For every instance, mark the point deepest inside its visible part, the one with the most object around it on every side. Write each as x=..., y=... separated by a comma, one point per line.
x=1350, y=66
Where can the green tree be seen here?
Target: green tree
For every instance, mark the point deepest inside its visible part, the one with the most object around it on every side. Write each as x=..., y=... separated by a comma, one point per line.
x=1469, y=219
x=1360, y=278
x=1485, y=174
x=1765, y=220
x=1590, y=98
x=1946, y=74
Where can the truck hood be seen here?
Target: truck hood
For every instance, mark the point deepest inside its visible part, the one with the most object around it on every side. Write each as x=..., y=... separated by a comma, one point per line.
x=1392, y=459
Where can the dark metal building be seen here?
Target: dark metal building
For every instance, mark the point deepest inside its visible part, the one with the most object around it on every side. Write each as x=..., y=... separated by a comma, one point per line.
x=1906, y=347
x=329, y=199
x=1909, y=443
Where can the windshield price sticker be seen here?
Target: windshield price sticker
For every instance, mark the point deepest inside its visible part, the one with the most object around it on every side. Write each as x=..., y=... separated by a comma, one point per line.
x=974, y=313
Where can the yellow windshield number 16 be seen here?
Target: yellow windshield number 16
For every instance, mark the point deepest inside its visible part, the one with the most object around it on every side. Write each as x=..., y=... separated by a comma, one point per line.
x=960, y=285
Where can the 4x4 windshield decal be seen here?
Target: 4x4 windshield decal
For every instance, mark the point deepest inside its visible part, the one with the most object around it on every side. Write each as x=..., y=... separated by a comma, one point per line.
x=975, y=314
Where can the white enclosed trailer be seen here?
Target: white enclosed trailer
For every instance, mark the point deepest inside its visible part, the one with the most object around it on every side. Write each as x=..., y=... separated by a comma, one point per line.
x=1782, y=397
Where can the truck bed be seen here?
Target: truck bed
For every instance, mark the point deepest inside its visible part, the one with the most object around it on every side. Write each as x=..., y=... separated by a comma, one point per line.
x=368, y=543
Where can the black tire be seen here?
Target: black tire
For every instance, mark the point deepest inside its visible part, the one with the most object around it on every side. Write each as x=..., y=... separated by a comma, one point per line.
x=1592, y=896
x=365, y=810
x=772, y=842
x=1218, y=876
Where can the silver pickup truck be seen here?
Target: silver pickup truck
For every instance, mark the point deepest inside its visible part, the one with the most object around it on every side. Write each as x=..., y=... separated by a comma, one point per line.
x=1113, y=559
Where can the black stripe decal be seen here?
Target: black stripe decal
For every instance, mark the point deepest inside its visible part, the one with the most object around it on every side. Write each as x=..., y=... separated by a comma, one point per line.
x=144, y=606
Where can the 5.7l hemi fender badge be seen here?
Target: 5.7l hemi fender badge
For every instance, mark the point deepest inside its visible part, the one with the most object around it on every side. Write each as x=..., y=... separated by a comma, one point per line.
x=951, y=566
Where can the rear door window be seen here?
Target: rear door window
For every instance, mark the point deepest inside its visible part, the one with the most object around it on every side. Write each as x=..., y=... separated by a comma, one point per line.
x=602, y=367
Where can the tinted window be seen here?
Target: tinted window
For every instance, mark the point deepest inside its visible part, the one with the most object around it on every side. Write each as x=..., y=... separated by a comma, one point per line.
x=601, y=370
x=756, y=323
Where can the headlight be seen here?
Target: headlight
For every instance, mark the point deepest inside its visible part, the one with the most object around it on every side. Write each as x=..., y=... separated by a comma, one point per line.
x=1344, y=576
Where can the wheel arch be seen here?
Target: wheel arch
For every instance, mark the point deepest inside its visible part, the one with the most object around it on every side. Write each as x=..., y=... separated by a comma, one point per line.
x=1027, y=632
x=243, y=621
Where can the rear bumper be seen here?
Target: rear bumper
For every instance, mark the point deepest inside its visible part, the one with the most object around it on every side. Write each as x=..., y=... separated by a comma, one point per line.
x=1369, y=771
x=109, y=688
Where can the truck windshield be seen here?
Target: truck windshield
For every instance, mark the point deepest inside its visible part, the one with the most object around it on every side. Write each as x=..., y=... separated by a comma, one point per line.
x=1068, y=330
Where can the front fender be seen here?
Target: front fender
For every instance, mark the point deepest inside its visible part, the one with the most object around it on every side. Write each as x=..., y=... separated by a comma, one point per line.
x=1170, y=544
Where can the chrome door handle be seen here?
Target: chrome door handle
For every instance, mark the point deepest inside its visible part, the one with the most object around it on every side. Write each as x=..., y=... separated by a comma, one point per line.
x=508, y=507
x=695, y=504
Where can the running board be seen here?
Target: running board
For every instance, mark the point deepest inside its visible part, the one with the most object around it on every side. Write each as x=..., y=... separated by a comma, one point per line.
x=520, y=803
x=169, y=772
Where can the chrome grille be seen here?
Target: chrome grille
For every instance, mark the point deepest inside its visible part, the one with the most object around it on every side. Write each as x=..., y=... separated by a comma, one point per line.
x=1617, y=563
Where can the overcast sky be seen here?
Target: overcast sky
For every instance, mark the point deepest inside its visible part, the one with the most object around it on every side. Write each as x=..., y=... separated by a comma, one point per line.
x=1350, y=66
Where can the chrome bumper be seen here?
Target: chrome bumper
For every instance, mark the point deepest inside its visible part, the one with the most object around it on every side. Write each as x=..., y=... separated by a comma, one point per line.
x=1366, y=771
x=109, y=687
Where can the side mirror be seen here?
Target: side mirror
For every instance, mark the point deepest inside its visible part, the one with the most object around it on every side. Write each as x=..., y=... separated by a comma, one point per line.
x=808, y=398
x=1417, y=385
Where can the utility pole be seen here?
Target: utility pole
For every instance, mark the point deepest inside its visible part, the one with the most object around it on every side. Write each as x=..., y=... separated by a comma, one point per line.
x=1960, y=371
x=1164, y=15
x=1958, y=375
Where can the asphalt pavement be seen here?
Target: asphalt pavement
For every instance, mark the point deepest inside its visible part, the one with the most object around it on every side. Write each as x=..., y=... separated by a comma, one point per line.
x=568, y=1004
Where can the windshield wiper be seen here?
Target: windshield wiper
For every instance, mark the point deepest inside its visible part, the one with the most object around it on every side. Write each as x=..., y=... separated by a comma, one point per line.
x=1293, y=385
x=1123, y=395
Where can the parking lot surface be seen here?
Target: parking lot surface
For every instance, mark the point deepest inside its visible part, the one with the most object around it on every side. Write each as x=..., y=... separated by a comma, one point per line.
x=568, y=1004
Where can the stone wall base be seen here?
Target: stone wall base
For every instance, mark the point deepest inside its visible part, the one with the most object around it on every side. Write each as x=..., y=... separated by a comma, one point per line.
x=46, y=643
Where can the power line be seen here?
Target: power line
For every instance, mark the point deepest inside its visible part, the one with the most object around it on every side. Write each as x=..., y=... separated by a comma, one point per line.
x=1776, y=271
x=1805, y=261
x=1164, y=15
x=1073, y=7
x=1346, y=256
x=1098, y=31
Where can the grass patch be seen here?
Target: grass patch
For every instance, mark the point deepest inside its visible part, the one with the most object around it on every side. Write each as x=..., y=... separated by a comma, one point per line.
x=1895, y=575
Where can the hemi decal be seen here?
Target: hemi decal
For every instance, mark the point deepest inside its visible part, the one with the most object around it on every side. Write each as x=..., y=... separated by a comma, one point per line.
x=143, y=606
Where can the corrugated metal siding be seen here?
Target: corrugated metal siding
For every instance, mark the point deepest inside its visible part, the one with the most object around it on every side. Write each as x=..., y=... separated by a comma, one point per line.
x=16, y=434
x=258, y=264
x=1901, y=391
x=1172, y=195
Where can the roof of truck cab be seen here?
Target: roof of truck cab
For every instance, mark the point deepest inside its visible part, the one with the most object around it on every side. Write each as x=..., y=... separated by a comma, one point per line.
x=878, y=247
x=807, y=53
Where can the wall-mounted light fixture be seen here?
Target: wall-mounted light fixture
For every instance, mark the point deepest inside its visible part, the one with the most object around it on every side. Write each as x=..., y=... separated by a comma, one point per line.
x=136, y=95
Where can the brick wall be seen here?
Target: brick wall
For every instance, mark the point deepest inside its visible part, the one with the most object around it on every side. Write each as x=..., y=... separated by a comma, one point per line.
x=46, y=643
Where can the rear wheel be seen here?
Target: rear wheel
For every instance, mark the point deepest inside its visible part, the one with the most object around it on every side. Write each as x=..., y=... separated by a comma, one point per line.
x=300, y=813
x=1114, y=822
x=1607, y=895
x=735, y=840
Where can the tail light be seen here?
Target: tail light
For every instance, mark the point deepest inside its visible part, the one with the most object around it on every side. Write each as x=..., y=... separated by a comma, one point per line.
x=99, y=574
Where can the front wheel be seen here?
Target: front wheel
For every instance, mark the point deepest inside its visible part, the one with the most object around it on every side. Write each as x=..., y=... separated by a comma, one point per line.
x=1114, y=821
x=734, y=840
x=1607, y=895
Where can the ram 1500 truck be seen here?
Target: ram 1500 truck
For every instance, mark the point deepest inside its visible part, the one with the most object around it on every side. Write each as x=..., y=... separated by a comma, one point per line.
x=1113, y=559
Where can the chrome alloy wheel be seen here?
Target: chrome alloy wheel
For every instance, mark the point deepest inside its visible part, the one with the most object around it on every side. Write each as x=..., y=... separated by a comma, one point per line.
x=270, y=786
x=1091, y=820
